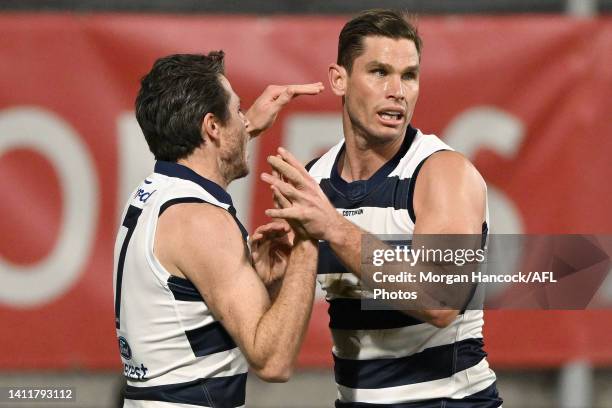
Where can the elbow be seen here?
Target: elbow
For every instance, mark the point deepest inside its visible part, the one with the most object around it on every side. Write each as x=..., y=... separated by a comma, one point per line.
x=275, y=373
x=441, y=318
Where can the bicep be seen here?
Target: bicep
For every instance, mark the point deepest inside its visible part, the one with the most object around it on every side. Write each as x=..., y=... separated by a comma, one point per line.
x=449, y=197
x=218, y=265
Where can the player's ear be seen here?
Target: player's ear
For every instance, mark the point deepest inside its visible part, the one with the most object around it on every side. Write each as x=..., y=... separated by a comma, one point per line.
x=211, y=128
x=337, y=79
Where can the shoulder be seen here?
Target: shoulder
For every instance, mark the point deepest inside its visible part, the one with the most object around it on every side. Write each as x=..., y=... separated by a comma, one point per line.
x=447, y=167
x=199, y=239
x=449, y=181
x=191, y=223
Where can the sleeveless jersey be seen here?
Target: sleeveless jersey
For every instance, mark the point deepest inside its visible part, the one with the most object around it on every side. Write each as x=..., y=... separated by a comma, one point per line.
x=175, y=353
x=386, y=357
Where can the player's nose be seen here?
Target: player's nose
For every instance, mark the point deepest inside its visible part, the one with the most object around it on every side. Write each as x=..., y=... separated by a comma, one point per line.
x=395, y=87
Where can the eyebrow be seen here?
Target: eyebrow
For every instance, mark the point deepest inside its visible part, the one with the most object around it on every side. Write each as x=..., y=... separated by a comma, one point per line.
x=378, y=64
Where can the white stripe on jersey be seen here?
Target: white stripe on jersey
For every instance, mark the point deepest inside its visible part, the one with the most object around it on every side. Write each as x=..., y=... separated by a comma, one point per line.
x=391, y=343
x=388, y=219
x=460, y=385
x=222, y=364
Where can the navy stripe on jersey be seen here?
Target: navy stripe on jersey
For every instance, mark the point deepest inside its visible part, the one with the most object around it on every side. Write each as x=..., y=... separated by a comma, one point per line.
x=179, y=171
x=431, y=364
x=130, y=220
x=487, y=398
x=328, y=262
x=181, y=200
x=209, y=339
x=184, y=290
x=243, y=231
x=218, y=392
x=346, y=314
x=390, y=192
x=311, y=163
x=485, y=233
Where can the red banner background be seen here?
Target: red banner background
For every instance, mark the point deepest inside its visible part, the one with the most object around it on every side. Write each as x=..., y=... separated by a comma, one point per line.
x=550, y=75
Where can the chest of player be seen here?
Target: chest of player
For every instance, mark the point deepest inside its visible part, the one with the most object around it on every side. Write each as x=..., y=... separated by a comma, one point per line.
x=388, y=223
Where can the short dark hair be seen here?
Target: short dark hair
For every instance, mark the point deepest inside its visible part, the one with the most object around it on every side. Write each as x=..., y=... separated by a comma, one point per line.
x=376, y=22
x=173, y=99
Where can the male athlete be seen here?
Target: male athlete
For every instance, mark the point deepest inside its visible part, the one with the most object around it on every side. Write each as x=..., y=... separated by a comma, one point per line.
x=192, y=311
x=418, y=358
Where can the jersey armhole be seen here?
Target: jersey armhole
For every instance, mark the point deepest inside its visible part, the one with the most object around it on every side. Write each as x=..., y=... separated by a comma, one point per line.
x=182, y=288
x=183, y=200
x=413, y=184
x=180, y=200
x=311, y=163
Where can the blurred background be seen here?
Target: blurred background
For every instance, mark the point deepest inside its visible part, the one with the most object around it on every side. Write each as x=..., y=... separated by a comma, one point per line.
x=521, y=87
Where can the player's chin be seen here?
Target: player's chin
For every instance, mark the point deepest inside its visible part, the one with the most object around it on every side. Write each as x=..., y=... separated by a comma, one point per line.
x=388, y=133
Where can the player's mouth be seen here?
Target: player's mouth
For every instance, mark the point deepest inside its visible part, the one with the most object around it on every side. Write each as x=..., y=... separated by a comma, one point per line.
x=391, y=117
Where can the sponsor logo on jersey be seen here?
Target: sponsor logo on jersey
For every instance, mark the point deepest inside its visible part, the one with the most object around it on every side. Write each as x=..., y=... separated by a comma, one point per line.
x=143, y=195
x=124, y=348
x=134, y=372
x=348, y=213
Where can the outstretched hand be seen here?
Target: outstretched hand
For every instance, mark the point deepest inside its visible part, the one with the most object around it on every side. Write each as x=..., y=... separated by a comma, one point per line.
x=265, y=109
x=301, y=200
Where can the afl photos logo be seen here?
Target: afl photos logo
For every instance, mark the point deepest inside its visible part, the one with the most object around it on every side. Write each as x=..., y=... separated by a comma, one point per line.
x=124, y=348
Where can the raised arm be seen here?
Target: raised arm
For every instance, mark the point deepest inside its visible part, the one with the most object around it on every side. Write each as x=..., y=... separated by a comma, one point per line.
x=449, y=199
x=203, y=243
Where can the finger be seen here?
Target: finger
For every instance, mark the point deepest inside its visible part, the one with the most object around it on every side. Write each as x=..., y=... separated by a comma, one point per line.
x=277, y=204
x=286, y=170
x=306, y=89
x=289, y=158
x=276, y=173
x=280, y=199
x=291, y=91
x=285, y=188
x=277, y=226
x=274, y=226
x=255, y=239
x=284, y=97
x=284, y=213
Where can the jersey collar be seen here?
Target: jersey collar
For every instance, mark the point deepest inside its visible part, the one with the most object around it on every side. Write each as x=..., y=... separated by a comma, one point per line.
x=358, y=189
x=171, y=169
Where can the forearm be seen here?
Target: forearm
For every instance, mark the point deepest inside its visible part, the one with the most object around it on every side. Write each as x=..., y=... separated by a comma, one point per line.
x=281, y=329
x=346, y=240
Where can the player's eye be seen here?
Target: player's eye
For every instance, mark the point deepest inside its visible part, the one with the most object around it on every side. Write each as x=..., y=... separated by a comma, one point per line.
x=409, y=75
x=379, y=72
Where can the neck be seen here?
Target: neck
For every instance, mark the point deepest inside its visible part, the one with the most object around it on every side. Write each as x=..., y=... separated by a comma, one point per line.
x=364, y=156
x=205, y=167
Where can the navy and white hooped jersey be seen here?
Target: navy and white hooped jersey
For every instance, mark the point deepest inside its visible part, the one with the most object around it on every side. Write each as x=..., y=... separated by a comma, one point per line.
x=383, y=357
x=175, y=353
